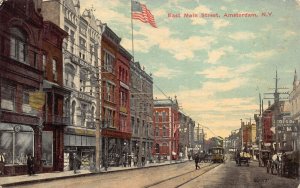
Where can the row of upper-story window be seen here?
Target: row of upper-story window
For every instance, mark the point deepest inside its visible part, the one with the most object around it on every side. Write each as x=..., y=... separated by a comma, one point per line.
x=140, y=127
x=140, y=83
x=85, y=80
x=16, y=98
x=161, y=116
x=161, y=132
x=70, y=15
x=123, y=74
x=9, y=96
x=19, y=51
x=108, y=62
x=86, y=50
x=85, y=116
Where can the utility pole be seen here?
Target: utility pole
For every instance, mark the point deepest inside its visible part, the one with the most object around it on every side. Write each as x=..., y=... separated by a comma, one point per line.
x=98, y=113
x=98, y=64
x=276, y=109
x=276, y=103
x=242, y=130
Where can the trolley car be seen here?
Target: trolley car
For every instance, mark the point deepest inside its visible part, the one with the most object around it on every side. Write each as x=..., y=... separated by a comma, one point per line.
x=217, y=154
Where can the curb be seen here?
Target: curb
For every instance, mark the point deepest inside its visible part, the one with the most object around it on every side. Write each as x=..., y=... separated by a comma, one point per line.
x=80, y=175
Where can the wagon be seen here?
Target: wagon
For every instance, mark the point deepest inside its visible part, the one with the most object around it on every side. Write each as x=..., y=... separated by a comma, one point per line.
x=243, y=158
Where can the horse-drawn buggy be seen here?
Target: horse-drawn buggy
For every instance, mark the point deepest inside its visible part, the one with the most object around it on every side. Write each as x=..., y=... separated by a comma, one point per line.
x=284, y=164
x=274, y=163
x=243, y=158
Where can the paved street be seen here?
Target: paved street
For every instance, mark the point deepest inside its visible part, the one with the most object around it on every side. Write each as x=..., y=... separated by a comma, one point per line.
x=183, y=175
x=229, y=175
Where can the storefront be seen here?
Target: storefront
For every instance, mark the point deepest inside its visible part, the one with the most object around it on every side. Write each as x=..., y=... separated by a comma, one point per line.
x=16, y=142
x=81, y=142
x=116, y=145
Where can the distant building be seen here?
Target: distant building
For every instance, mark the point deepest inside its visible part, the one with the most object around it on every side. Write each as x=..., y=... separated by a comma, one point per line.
x=166, y=128
x=294, y=102
x=186, y=133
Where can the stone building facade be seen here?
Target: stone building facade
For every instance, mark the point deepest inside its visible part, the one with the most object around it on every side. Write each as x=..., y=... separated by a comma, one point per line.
x=141, y=109
x=80, y=60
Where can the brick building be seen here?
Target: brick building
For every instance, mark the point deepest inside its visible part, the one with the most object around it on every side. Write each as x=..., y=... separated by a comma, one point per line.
x=56, y=115
x=116, y=133
x=21, y=73
x=166, y=128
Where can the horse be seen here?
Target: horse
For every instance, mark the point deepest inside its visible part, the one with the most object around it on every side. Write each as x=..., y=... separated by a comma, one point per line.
x=275, y=163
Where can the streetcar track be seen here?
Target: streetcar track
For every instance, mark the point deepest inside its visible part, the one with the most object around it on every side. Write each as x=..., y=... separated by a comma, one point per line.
x=180, y=175
x=196, y=176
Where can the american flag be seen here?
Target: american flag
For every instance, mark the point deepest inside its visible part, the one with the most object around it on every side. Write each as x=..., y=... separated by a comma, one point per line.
x=140, y=12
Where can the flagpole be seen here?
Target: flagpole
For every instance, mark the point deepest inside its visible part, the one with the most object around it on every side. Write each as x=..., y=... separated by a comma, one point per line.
x=132, y=44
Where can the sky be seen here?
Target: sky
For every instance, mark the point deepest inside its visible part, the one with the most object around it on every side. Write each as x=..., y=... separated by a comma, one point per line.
x=216, y=66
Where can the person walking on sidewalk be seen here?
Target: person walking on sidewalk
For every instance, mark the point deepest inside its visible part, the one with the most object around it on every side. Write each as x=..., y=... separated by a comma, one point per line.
x=74, y=162
x=129, y=160
x=143, y=160
x=30, y=164
x=134, y=160
x=197, y=158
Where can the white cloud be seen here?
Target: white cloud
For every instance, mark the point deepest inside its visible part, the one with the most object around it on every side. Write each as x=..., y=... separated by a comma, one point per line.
x=261, y=55
x=219, y=23
x=105, y=10
x=181, y=49
x=223, y=72
x=199, y=21
x=289, y=34
x=215, y=55
x=242, y=36
x=165, y=72
x=223, y=8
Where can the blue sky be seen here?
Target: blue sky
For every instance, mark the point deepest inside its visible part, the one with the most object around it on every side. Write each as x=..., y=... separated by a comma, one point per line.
x=215, y=66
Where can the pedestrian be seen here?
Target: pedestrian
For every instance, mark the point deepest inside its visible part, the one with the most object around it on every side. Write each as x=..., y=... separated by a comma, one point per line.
x=117, y=159
x=129, y=160
x=197, y=161
x=30, y=164
x=124, y=160
x=143, y=160
x=189, y=156
x=74, y=162
x=134, y=160
x=2, y=163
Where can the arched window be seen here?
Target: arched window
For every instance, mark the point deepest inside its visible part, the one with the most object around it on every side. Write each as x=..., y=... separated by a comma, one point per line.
x=73, y=113
x=54, y=69
x=69, y=75
x=18, y=47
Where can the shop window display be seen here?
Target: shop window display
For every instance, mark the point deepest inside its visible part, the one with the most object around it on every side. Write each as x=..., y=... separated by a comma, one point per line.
x=16, y=142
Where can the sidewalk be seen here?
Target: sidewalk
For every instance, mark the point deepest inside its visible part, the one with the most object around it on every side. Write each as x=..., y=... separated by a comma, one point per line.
x=26, y=179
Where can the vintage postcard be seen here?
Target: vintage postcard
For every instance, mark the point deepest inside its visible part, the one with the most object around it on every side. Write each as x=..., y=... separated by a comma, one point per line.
x=149, y=93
